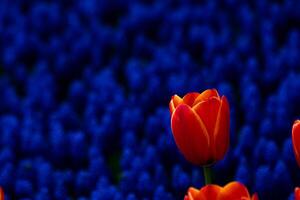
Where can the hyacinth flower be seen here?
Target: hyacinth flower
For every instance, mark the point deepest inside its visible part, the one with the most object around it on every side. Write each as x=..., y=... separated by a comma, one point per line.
x=200, y=127
x=231, y=191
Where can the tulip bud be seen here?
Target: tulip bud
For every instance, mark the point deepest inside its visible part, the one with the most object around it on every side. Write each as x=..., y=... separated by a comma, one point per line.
x=231, y=191
x=296, y=140
x=200, y=126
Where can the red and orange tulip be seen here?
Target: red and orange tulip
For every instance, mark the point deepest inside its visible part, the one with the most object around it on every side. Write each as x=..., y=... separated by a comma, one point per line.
x=296, y=147
x=297, y=193
x=296, y=140
x=231, y=191
x=200, y=126
x=1, y=194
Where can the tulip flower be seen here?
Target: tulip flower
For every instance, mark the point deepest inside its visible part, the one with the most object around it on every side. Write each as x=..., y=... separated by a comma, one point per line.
x=200, y=126
x=1, y=194
x=296, y=140
x=231, y=191
x=297, y=193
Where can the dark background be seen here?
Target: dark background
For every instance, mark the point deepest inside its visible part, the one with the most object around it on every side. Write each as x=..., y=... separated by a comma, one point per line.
x=85, y=87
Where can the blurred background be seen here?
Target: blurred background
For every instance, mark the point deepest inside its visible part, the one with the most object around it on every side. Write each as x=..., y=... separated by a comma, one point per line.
x=85, y=88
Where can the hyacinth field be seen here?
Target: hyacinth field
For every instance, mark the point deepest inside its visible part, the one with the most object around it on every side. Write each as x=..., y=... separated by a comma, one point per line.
x=86, y=85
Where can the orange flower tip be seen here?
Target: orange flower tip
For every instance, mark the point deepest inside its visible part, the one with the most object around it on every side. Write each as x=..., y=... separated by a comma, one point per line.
x=224, y=98
x=175, y=101
x=296, y=123
x=190, y=98
x=171, y=107
x=213, y=92
x=204, y=96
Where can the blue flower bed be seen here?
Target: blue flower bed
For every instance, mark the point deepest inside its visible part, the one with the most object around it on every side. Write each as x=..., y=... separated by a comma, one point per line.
x=85, y=87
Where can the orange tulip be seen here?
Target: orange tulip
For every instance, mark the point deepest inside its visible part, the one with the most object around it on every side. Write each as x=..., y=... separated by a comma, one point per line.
x=296, y=140
x=1, y=194
x=200, y=126
x=231, y=191
x=297, y=193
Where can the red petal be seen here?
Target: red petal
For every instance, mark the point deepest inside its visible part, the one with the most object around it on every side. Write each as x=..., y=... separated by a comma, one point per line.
x=175, y=101
x=206, y=95
x=296, y=140
x=210, y=192
x=193, y=194
x=187, y=198
x=208, y=112
x=1, y=194
x=234, y=191
x=222, y=132
x=297, y=193
x=255, y=197
x=190, y=134
x=189, y=98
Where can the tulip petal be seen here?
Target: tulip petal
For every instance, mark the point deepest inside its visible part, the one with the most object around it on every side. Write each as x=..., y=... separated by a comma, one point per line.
x=190, y=98
x=175, y=101
x=255, y=197
x=187, y=198
x=296, y=140
x=190, y=134
x=193, y=194
x=297, y=193
x=1, y=194
x=234, y=191
x=221, y=132
x=206, y=95
x=208, y=112
x=210, y=192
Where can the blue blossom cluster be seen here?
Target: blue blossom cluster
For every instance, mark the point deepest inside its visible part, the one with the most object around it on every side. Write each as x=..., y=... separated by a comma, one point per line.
x=85, y=87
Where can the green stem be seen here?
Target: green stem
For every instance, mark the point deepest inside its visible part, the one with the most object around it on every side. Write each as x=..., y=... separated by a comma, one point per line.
x=207, y=175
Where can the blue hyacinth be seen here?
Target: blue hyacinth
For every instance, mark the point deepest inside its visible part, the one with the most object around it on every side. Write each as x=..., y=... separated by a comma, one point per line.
x=85, y=87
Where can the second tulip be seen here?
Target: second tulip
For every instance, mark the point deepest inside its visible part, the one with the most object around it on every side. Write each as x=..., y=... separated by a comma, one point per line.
x=296, y=140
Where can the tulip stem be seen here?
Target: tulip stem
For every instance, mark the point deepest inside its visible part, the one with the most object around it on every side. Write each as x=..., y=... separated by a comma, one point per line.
x=207, y=175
